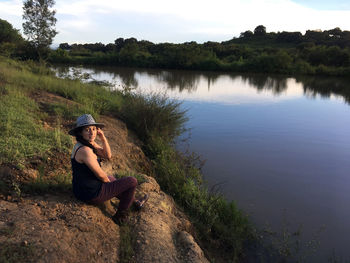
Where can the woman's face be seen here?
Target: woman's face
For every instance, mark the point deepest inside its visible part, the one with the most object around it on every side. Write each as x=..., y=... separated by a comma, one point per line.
x=89, y=133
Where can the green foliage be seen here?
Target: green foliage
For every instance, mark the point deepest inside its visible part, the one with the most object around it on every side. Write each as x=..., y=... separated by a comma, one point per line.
x=260, y=31
x=328, y=56
x=8, y=34
x=43, y=184
x=140, y=178
x=294, y=37
x=7, y=49
x=59, y=55
x=282, y=52
x=10, y=39
x=92, y=97
x=39, y=25
x=278, y=62
x=152, y=116
x=303, y=67
x=23, y=135
x=126, y=250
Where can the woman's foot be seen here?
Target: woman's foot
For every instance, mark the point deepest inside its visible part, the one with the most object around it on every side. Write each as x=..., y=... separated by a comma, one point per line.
x=139, y=203
x=120, y=217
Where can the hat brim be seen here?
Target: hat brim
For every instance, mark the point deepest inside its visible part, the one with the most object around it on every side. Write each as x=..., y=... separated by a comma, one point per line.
x=72, y=131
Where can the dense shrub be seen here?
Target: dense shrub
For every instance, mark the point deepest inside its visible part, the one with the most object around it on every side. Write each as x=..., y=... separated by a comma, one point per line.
x=153, y=116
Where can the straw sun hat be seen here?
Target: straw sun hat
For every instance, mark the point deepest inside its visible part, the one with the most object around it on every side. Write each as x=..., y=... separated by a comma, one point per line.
x=85, y=120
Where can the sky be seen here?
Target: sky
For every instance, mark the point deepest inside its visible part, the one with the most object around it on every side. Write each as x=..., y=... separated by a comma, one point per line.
x=91, y=21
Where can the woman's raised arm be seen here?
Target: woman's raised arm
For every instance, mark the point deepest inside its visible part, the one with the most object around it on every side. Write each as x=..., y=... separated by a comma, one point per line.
x=105, y=150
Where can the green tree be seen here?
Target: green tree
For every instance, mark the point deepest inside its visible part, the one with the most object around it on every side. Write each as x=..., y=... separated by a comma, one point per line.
x=10, y=39
x=336, y=32
x=289, y=37
x=39, y=25
x=260, y=31
x=119, y=43
x=246, y=34
x=64, y=46
x=8, y=33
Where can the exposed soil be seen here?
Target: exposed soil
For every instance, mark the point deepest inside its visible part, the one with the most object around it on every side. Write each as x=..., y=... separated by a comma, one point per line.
x=56, y=227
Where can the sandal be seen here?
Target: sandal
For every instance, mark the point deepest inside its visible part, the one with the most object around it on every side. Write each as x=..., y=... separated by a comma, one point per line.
x=140, y=202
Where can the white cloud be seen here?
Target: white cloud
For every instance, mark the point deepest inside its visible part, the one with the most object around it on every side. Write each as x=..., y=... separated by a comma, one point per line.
x=11, y=8
x=77, y=24
x=224, y=17
x=220, y=19
x=11, y=11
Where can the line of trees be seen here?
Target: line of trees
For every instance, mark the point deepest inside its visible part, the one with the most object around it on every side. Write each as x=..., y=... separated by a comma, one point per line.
x=333, y=37
x=315, y=52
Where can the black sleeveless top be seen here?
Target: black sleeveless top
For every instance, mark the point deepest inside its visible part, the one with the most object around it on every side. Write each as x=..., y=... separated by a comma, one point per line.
x=86, y=185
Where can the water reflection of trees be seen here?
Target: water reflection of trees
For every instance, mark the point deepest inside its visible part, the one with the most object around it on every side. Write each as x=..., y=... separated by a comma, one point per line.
x=127, y=76
x=326, y=86
x=190, y=80
x=179, y=80
x=312, y=85
x=173, y=79
x=276, y=84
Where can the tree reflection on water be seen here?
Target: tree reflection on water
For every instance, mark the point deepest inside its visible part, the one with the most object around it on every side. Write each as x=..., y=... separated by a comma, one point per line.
x=189, y=81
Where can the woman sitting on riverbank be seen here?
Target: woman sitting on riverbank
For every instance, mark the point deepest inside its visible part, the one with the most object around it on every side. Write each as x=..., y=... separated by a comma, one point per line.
x=90, y=183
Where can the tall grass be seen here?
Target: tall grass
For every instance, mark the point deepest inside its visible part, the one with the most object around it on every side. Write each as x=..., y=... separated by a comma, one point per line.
x=31, y=77
x=153, y=116
x=23, y=135
x=127, y=240
x=60, y=183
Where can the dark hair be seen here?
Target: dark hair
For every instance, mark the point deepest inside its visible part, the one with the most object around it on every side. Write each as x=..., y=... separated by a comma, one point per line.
x=80, y=139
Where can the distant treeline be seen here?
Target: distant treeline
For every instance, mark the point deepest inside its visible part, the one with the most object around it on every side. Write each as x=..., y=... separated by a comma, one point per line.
x=316, y=52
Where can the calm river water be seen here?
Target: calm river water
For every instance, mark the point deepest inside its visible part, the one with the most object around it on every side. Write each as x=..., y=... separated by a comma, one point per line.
x=278, y=146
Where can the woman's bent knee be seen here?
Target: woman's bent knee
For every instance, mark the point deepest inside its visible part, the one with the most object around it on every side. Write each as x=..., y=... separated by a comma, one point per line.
x=132, y=181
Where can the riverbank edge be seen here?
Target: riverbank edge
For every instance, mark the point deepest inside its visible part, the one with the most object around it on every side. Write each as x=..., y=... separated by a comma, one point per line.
x=176, y=173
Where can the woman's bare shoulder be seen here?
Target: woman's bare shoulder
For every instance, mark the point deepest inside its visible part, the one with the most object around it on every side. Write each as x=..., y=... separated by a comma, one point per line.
x=85, y=150
x=85, y=154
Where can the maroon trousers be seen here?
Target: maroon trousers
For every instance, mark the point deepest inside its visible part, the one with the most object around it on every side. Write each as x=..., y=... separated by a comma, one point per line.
x=123, y=189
